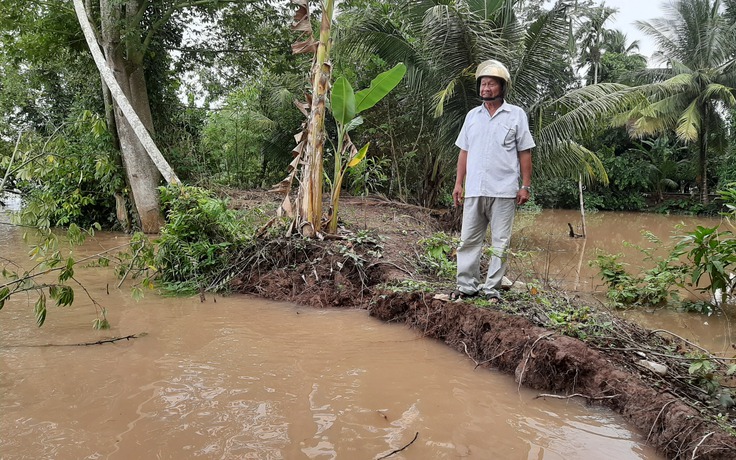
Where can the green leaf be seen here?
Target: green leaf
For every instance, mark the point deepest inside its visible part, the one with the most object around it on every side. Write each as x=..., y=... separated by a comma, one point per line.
x=68, y=270
x=64, y=296
x=342, y=100
x=4, y=295
x=379, y=87
x=100, y=323
x=40, y=310
x=359, y=156
x=352, y=124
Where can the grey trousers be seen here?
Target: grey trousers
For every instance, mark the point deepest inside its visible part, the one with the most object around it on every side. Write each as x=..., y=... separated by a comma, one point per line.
x=478, y=212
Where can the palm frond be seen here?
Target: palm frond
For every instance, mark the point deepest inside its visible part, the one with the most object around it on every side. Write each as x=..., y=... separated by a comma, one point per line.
x=688, y=126
x=569, y=159
x=443, y=95
x=542, y=48
x=668, y=106
x=718, y=92
x=485, y=9
x=681, y=83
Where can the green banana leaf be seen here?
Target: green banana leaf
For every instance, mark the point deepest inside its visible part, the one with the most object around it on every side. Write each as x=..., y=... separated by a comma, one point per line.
x=379, y=87
x=342, y=99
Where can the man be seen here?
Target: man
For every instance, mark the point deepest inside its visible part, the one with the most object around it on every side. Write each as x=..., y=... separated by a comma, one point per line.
x=494, y=169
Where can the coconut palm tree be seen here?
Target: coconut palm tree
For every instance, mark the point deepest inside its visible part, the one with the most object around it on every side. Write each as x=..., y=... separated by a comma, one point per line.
x=621, y=61
x=615, y=41
x=591, y=36
x=698, y=45
x=442, y=42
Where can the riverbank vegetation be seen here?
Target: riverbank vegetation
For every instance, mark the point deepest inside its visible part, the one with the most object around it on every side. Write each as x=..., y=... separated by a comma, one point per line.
x=615, y=131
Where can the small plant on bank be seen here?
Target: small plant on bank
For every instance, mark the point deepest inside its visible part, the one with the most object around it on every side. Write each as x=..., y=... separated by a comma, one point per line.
x=653, y=287
x=572, y=321
x=437, y=256
x=365, y=239
x=346, y=105
x=409, y=285
x=700, y=307
x=704, y=373
x=712, y=253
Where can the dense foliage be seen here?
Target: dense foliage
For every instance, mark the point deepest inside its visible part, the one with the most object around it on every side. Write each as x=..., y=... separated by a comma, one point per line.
x=222, y=103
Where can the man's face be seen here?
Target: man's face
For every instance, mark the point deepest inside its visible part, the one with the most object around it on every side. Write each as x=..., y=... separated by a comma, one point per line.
x=490, y=87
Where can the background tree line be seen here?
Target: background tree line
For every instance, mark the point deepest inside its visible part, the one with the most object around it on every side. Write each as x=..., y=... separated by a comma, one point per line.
x=215, y=83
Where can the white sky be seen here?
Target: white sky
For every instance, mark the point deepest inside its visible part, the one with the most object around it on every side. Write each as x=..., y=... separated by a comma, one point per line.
x=630, y=11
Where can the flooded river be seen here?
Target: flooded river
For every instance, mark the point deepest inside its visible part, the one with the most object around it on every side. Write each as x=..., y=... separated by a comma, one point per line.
x=557, y=260
x=242, y=378
x=563, y=261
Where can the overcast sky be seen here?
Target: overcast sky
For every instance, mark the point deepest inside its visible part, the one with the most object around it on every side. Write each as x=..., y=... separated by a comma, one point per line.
x=630, y=11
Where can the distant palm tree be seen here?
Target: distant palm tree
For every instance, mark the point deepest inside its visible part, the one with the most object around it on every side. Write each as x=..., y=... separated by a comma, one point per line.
x=615, y=41
x=698, y=45
x=663, y=163
x=591, y=36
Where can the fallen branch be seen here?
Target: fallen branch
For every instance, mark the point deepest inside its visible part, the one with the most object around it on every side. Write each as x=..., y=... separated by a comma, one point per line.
x=399, y=450
x=393, y=265
x=681, y=338
x=83, y=344
x=580, y=395
x=112, y=340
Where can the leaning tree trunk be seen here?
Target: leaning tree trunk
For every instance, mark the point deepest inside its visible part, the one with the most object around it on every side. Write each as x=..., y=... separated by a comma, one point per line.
x=141, y=172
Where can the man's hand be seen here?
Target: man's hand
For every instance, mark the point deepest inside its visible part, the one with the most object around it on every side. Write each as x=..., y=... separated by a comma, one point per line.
x=522, y=196
x=457, y=195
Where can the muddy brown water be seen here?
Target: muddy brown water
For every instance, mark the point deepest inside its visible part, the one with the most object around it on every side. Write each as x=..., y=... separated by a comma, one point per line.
x=240, y=377
x=563, y=262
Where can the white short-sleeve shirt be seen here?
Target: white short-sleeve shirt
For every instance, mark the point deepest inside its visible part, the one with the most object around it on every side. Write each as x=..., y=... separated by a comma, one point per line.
x=493, y=144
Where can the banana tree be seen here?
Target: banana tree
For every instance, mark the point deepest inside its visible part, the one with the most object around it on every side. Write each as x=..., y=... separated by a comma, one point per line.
x=346, y=104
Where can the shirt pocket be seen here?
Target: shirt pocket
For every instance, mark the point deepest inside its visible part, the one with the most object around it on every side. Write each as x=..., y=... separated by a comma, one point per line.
x=509, y=138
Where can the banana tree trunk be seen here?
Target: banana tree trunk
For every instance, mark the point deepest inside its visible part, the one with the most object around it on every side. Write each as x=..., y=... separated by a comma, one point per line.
x=309, y=210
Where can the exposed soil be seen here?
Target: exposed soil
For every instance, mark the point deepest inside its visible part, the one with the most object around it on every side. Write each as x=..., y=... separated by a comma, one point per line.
x=375, y=265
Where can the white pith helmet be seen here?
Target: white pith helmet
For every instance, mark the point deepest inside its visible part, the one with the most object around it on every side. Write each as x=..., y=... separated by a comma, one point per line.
x=493, y=68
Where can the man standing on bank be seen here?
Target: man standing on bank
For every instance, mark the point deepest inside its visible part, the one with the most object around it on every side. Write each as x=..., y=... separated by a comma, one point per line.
x=495, y=170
